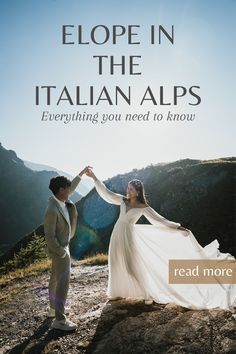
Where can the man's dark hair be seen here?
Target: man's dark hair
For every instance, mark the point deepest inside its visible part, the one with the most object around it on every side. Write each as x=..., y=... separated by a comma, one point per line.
x=57, y=182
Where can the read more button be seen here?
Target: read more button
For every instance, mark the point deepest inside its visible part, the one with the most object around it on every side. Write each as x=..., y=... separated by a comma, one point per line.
x=202, y=271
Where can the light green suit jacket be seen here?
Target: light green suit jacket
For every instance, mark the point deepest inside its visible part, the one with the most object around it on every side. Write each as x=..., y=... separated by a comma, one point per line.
x=56, y=227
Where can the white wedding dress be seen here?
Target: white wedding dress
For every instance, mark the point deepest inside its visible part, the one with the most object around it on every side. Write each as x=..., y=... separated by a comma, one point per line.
x=138, y=260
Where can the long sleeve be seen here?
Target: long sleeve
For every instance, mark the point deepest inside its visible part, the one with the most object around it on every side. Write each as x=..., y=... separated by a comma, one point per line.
x=50, y=220
x=156, y=218
x=106, y=194
x=74, y=183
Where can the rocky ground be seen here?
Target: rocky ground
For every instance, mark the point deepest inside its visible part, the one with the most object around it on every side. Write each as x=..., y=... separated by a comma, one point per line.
x=124, y=327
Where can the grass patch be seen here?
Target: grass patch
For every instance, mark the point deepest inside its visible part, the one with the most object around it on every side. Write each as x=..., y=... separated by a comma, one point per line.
x=35, y=268
x=97, y=259
x=44, y=265
x=33, y=252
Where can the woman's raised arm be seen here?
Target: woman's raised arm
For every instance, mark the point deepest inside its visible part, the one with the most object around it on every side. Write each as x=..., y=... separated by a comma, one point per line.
x=103, y=191
x=106, y=194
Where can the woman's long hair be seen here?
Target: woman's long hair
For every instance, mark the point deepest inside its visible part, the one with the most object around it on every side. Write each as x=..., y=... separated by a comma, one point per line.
x=139, y=187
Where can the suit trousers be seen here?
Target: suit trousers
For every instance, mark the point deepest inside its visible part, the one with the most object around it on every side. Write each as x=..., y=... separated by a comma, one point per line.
x=59, y=284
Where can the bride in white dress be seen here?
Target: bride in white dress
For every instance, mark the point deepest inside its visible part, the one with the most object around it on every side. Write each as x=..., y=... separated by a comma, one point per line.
x=138, y=255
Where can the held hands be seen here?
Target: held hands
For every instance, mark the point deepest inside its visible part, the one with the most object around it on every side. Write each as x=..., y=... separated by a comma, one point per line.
x=90, y=173
x=84, y=171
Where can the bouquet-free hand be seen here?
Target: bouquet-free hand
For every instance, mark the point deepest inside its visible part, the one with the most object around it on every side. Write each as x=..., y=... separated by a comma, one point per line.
x=84, y=170
x=91, y=174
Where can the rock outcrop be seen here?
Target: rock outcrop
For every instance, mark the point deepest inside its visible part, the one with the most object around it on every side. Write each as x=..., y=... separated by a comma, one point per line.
x=115, y=327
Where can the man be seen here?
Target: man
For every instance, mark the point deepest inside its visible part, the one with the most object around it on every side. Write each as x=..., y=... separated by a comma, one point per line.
x=59, y=226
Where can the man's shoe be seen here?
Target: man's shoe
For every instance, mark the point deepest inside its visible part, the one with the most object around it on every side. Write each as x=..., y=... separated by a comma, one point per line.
x=64, y=325
x=51, y=312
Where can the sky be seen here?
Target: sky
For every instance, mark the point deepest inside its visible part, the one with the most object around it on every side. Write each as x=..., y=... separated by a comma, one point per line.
x=32, y=54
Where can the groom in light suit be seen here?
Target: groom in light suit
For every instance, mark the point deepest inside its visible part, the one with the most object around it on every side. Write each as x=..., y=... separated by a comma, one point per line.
x=59, y=226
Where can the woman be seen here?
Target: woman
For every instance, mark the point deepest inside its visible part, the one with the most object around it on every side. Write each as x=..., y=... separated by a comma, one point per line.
x=138, y=255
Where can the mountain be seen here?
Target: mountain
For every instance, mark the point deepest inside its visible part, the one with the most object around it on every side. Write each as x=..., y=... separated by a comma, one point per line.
x=83, y=188
x=200, y=194
x=24, y=195
x=39, y=167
